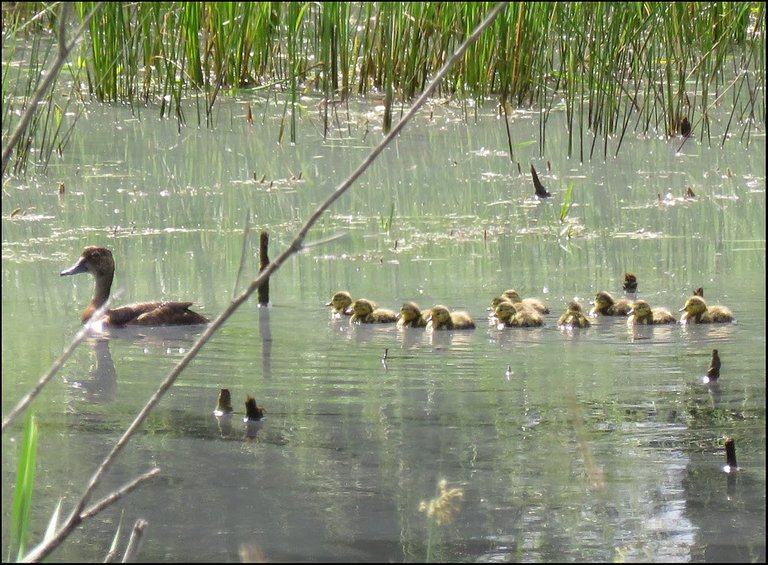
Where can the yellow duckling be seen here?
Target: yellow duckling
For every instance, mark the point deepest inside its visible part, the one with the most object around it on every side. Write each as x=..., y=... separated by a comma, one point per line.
x=697, y=311
x=443, y=319
x=340, y=303
x=365, y=312
x=606, y=305
x=411, y=316
x=517, y=315
x=574, y=317
x=534, y=303
x=642, y=313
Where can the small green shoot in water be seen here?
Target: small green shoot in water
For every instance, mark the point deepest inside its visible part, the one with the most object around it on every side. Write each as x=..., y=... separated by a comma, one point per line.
x=386, y=223
x=565, y=209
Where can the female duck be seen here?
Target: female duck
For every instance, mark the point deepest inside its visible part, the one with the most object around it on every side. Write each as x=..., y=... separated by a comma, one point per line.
x=517, y=315
x=98, y=262
x=697, y=311
x=411, y=316
x=534, y=303
x=340, y=304
x=574, y=317
x=642, y=313
x=443, y=319
x=365, y=312
x=606, y=305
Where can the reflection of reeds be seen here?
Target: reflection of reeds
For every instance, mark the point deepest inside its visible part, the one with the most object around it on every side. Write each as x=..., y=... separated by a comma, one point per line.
x=443, y=507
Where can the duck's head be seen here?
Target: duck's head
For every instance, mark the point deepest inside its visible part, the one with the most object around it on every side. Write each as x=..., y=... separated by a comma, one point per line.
x=409, y=312
x=512, y=295
x=603, y=300
x=694, y=305
x=340, y=301
x=505, y=310
x=440, y=315
x=641, y=309
x=496, y=301
x=574, y=306
x=362, y=307
x=95, y=260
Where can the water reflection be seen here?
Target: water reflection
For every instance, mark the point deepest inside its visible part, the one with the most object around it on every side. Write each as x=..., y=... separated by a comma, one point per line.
x=101, y=387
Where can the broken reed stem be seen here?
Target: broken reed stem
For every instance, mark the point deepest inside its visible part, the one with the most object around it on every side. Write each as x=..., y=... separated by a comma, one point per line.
x=263, y=293
x=45, y=548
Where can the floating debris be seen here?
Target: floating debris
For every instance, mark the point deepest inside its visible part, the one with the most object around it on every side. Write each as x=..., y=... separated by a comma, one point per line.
x=685, y=127
x=630, y=282
x=730, y=456
x=713, y=373
x=541, y=192
x=252, y=412
x=224, y=404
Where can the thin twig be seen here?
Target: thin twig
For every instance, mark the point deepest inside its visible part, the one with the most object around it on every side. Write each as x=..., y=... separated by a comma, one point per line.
x=134, y=543
x=114, y=496
x=44, y=549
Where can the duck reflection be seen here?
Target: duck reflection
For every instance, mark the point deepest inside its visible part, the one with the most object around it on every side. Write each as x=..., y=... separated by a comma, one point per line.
x=102, y=384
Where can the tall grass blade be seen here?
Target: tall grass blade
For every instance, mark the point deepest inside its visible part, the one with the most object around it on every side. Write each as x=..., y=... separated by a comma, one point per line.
x=25, y=482
x=565, y=207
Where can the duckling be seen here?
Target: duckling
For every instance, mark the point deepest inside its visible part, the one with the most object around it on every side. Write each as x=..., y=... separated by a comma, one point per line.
x=697, y=311
x=443, y=319
x=340, y=303
x=574, y=317
x=365, y=312
x=98, y=262
x=494, y=304
x=517, y=315
x=534, y=303
x=642, y=313
x=606, y=305
x=411, y=316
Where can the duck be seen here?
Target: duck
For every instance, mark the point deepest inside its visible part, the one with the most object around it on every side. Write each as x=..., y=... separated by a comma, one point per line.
x=697, y=311
x=340, y=303
x=365, y=312
x=517, y=315
x=642, y=313
x=534, y=303
x=607, y=305
x=494, y=304
x=411, y=316
x=98, y=261
x=574, y=317
x=443, y=319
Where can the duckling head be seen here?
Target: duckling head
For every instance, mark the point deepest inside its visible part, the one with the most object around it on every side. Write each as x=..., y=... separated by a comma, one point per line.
x=340, y=301
x=505, y=310
x=694, y=305
x=440, y=316
x=409, y=312
x=640, y=309
x=512, y=295
x=362, y=307
x=603, y=300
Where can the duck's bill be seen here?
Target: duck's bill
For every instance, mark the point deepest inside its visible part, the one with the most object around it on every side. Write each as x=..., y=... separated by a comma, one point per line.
x=75, y=269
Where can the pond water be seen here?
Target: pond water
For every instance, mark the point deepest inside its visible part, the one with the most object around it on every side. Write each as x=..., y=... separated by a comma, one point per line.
x=597, y=444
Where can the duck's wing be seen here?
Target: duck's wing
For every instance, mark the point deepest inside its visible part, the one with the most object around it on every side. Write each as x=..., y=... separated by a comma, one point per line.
x=156, y=314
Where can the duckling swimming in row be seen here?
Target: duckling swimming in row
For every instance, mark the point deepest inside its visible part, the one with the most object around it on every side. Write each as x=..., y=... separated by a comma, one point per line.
x=443, y=319
x=642, y=313
x=697, y=311
x=534, y=303
x=98, y=262
x=340, y=303
x=574, y=317
x=517, y=315
x=365, y=312
x=411, y=316
x=606, y=305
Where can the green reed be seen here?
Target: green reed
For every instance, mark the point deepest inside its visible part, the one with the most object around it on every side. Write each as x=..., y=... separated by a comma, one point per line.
x=25, y=482
x=618, y=67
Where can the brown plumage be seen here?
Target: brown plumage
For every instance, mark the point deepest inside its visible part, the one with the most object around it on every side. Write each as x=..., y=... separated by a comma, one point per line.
x=443, y=319
x=98, y=262
x=411, y=316
x=518, y=315
x=365, y=312
x=574, y=317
